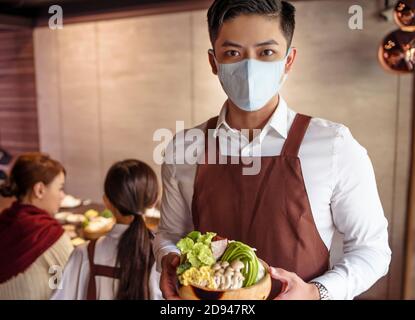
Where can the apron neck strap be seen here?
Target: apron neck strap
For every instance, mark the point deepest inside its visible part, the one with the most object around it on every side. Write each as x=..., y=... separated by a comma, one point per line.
x=92, y=290
x=296, y=135
x=211, y=123
x=294, y=139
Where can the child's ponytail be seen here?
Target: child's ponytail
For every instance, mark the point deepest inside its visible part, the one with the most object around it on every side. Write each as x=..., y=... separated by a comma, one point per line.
x=131, y=187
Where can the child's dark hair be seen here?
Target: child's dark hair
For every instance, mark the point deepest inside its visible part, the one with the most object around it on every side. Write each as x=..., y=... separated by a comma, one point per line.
x=223, y=10
x=131, y=186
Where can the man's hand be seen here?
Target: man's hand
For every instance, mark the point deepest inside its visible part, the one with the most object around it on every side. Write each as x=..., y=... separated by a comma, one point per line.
x=168, y=278
x=293, y=287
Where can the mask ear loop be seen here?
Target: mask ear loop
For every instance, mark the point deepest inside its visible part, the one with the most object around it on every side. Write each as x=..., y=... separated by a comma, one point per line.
x=285, y=76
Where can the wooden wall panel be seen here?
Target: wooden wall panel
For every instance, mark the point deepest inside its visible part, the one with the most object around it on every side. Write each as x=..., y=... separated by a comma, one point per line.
x=48, y=92
x=145, y=83
x=337, y=77
x=207, y=94
x=402, y=152
x=79, y=103
x=68, y=104
x=18, y=114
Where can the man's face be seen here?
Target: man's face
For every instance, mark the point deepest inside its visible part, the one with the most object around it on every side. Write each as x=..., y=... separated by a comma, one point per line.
x=250, y=37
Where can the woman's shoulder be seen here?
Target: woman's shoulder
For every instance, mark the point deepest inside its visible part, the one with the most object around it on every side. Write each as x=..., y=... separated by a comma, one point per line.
x=59, y=252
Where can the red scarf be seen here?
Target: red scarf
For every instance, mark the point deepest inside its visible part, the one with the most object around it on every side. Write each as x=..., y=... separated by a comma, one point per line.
x=26, y=232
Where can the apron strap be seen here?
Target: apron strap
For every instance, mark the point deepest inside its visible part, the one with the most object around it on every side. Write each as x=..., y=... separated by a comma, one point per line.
x=211, y=124
x=296, y=135
x=291, y=145
x=98, y=270
x=107, y=271
x=92, y=290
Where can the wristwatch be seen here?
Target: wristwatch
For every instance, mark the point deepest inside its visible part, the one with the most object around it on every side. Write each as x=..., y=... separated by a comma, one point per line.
x=324, y=294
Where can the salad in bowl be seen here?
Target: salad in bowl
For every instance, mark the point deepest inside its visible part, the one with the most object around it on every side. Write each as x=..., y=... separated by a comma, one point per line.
x=212, y=267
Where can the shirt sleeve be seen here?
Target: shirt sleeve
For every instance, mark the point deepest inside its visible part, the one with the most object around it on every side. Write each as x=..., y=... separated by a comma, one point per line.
x=358, y=215
x=154, y=284
x=175, y=218
x=75, y=277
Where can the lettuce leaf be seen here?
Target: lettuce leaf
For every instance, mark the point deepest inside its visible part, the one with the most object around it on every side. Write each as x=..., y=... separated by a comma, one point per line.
x=194, y=235
x=185, y=245
x=195, y=249
x=200, y=255
x=206, y=238
x=183, y=267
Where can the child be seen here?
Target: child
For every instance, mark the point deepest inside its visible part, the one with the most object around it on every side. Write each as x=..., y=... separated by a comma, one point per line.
x=122, y=261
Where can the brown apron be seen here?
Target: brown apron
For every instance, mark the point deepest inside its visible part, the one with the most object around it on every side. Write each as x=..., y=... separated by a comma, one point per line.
x=269, y=211
x=98, y=270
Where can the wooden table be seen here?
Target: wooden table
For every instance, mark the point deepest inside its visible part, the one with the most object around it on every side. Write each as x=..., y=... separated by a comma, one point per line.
x=151, y=222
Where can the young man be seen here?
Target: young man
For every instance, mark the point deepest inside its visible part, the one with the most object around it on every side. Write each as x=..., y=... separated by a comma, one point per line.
x=314, y=177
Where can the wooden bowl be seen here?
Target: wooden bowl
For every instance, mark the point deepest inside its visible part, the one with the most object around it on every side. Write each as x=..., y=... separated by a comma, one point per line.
x=258, y=291
x=96, y=233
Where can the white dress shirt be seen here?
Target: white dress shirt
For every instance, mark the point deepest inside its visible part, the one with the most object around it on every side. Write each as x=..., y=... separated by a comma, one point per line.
x=340, y=184
x=76, y=273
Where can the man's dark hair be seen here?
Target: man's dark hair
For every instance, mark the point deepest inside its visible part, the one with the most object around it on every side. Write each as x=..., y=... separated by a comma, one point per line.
x=223, y=10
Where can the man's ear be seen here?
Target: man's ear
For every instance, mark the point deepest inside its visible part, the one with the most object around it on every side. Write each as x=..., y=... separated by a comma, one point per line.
x=39, y=190
x=290, y=59
x=211, y=56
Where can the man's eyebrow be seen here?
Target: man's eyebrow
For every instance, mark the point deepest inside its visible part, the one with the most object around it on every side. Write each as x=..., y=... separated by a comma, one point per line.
x=267, y=43
x=228, y=43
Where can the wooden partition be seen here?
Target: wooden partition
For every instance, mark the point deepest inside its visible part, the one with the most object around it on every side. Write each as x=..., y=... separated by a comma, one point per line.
x=18, y=112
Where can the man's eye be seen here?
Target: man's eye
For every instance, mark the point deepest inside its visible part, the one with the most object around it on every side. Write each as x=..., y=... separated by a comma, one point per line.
x=232, y=53
x=268, y=52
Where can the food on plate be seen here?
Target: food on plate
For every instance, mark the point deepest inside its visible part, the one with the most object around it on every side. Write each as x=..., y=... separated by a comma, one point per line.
x=97, y=224
x=70, y=230
x=106, y=213
x=75, y=219
x=215, y=268
x=91, y=213
x=61, y=217
x=77, y=241
x=70, y=202
x=97, y=227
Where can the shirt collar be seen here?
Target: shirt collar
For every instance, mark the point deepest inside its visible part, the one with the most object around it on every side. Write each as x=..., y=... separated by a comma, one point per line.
x=222, y=119
x=117, y=230
x=278, y=120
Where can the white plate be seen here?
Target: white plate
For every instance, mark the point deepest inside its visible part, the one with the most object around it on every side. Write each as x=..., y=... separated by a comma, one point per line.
x=70, y=202
x=75, y=219
x=61, y=217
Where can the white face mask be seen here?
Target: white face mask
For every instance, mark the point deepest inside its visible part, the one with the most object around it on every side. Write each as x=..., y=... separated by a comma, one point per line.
x=251, y=83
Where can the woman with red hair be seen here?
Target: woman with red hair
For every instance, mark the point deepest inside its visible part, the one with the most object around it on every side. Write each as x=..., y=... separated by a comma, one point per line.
x=31, y=240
